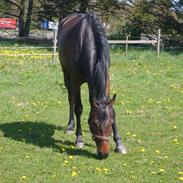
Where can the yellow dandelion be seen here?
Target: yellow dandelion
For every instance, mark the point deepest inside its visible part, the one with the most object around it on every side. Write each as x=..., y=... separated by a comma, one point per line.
x=151, y=162
x=180, y=178
x=157, y=152
x=161, y=170
x=71, y=157
x=105, y=170
x=128, y=133
x=98, y=169
x=19, y=104
x=180, y=173
x=153, y=173
x=27, y=157
x=66, y=162
x=23, y=177
x=139, y=141
x=74, y=174
x=174, y=127
x=175, y=141
x=74, y=167
x=34, y=104
x=63, y=149
x=134, y=135
x=142, y=149
x=128, y=111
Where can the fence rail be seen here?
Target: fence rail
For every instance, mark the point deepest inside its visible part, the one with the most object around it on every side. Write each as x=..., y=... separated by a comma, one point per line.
x=132, y=42
x=12, y=55
x=26, y=47
x=116, y=42
x=156, y=42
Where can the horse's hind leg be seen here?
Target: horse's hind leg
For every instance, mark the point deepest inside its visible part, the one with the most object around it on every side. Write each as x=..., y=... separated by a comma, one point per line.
x=119, y=146
x=71, y=98
x=78, y=112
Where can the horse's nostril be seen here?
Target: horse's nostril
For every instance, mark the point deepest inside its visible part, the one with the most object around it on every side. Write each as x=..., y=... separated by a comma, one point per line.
x=102, y=155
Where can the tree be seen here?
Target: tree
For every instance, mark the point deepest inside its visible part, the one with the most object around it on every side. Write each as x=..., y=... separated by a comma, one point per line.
x=148, y=15
x=55, y=9
x=61, y=8
x=84, y=5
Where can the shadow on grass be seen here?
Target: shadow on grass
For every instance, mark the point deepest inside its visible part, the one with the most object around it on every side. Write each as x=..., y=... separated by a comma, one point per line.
x=41, y=135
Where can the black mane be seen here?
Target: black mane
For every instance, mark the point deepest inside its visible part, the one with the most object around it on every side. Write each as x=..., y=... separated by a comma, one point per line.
x=99, y=80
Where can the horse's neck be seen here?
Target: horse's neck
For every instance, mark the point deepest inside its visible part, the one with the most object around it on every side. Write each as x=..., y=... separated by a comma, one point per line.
x=93, y=91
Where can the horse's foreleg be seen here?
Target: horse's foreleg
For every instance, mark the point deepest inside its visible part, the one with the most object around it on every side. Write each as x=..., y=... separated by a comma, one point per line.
x=78, y=112
x=119, y=146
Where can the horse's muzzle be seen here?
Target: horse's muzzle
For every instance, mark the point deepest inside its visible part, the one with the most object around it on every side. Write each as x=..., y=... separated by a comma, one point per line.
x=102, y=155
x=103, y=149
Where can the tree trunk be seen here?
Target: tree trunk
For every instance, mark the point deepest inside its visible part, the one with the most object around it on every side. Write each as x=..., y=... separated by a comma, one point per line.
x=24, y=23
x=61, y=9
x=28, y=19
x=21, y=23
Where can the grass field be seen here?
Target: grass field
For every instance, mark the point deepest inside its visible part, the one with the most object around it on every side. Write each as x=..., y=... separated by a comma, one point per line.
x=34, y=116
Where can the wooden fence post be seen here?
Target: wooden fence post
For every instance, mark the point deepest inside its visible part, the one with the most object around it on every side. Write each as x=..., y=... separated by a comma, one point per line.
x=127, y=45
x=158, y=41
x=54, y=46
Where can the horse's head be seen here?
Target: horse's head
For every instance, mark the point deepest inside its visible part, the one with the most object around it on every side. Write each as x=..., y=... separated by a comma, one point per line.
x=100, y=123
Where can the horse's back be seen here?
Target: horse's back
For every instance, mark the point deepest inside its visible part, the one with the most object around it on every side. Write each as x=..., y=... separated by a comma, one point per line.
x=76, y=45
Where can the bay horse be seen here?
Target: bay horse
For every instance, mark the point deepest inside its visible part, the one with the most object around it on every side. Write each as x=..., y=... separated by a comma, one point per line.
x=84, y=57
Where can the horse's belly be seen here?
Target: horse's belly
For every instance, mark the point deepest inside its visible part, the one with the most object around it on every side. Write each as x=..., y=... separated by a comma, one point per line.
x=74, y=67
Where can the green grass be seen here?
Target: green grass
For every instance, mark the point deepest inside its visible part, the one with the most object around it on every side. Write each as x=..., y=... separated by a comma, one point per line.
x=34, y=116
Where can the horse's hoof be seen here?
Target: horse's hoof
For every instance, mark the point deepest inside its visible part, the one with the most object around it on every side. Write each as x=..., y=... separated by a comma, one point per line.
x=68, y=132
x=121, y=149
x=80, y=145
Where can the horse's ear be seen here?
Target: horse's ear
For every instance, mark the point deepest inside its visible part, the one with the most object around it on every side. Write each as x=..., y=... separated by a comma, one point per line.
x=111, y=102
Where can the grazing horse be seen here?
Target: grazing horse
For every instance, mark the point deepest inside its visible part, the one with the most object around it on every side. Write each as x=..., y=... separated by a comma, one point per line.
x=84, y=56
